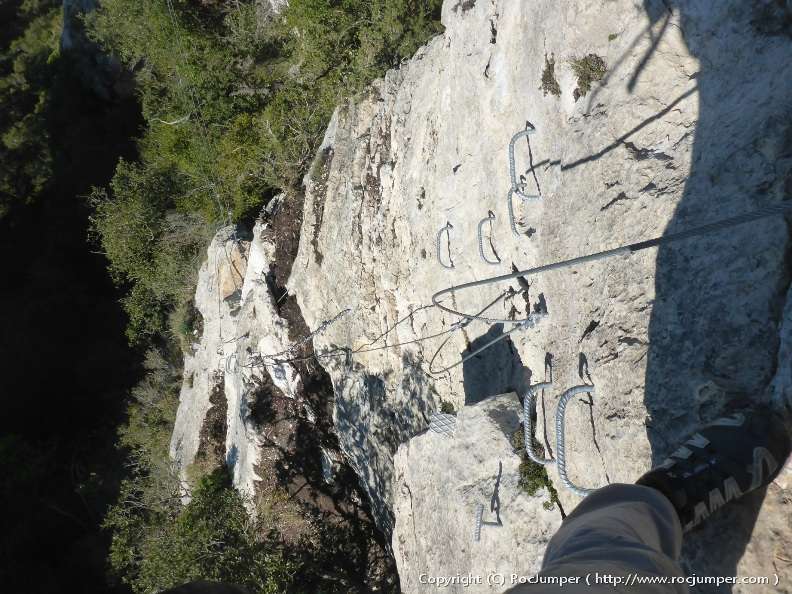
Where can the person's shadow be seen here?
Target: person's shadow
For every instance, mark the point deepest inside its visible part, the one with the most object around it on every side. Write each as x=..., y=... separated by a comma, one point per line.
x=713, y=331
x=497, y=370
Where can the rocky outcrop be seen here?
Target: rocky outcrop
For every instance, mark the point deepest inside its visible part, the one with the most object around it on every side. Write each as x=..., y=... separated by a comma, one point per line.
x=686, y=127
x=217, y=297
x=252, y=399
x=440, y=480
x=239, y=318
x=99, y=71
x=275, y=6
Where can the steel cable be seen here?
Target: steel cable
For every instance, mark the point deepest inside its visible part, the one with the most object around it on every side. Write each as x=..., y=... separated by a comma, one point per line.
x=762, y=213
x=465, y=319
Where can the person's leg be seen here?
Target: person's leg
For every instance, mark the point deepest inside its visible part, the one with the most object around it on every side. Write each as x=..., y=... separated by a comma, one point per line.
x=624, y=528
x=620, y=533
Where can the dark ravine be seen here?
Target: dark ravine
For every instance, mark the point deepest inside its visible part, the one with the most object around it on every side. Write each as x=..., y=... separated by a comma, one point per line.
x=66, y=367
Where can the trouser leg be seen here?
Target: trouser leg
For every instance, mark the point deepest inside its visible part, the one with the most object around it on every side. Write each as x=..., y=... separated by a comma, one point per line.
x=618, y=532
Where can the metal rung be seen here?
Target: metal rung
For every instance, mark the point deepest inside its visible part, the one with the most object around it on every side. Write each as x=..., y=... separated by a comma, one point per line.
x=529, y=402
x=488, y=219
x=447, y=229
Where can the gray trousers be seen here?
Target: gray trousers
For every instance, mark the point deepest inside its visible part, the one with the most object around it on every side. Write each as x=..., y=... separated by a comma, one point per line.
x=619, y=539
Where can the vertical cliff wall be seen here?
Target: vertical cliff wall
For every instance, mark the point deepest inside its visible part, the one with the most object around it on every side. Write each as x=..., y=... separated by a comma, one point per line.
x=648, y=118
x=688, y=125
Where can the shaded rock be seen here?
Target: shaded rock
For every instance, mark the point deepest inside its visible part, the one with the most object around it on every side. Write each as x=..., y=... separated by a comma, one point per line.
x=259, y=331
x=100, y=72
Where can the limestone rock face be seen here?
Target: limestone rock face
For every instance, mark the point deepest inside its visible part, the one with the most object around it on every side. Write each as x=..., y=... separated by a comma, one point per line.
x=252, y=398
x=440, y=480
x=259, y=329
x=690, y=124
x=205, y=367
x=240, y=318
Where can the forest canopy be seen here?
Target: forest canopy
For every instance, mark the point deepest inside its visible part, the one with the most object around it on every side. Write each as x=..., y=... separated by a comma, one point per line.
x=236, y=99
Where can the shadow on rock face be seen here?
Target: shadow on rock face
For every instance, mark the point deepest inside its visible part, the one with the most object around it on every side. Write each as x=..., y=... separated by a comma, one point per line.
x=232, y=458
x=496, y=370
x=718, y=298
x=371, y=425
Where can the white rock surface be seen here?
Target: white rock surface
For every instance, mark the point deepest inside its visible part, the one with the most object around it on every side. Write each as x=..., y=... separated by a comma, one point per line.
x=259, y=329
x=439, y=481
x=259, y=325
x=239, y=319
x=204, y=369
x=691, y=125
x=276, y=5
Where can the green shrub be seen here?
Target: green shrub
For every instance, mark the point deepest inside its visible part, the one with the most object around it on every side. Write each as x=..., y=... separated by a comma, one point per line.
x=27, y=73
x=549, y=82
x=447, y=408
x=211, y=538
x=152, y=412
x=156, y=541
x=588, y=69
x=214, y=539
x=186, y=324
x=533, y=476
x=150, y=496
x=152, y=248
x=236, y=103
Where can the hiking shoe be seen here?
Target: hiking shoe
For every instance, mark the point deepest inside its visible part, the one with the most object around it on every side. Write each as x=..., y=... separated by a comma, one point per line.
x=721, y=462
